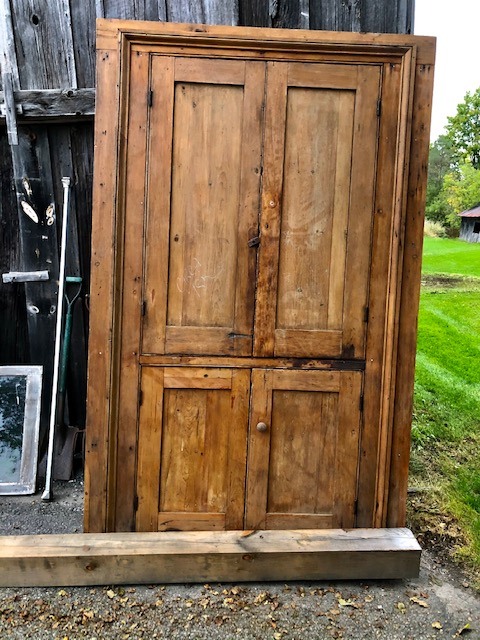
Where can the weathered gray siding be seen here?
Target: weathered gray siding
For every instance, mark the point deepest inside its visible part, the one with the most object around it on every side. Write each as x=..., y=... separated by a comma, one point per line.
x=467, y=230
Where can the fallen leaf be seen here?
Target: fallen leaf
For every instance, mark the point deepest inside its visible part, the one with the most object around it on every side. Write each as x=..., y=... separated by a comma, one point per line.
x=260, y=598
x=369, y=598
x=111, y=594
x=401, y=607
x=62, y=593
x=437, y=625
x=347, y=603
x=466, y=629
x=421, y=603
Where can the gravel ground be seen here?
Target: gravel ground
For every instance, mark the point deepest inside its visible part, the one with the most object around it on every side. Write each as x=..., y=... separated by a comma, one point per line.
x=439, y=604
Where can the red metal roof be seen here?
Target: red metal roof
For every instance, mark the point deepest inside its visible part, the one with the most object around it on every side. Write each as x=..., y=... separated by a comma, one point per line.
x=471, y=213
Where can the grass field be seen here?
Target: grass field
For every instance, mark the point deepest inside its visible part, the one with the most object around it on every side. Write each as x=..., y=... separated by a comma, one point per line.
x=446, y=429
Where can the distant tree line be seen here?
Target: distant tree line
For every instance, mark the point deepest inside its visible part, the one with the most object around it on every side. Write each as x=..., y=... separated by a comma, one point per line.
x=454, y=166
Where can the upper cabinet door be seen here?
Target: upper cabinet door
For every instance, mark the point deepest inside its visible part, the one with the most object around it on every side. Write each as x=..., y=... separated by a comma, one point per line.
x=317, y=209
x=204, y=170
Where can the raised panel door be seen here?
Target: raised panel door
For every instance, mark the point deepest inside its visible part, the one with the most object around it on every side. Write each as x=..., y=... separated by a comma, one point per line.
x=204, y=167
x=317, y=209
x=192, y=449
x=303, y=449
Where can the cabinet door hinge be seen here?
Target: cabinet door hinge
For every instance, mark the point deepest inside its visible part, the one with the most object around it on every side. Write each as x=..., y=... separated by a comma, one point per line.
x=379, y=107
x=144, y=308
x=150, y=98
x=366, y=314
x=135, y=503
x=361, y=403
x=140, y=398
x=355, y=507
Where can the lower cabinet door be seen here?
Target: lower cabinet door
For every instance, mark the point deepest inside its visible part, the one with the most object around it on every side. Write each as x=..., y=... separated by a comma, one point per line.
x=192, y=445
x=303, y=449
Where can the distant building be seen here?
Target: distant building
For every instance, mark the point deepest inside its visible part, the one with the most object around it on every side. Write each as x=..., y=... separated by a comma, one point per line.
x=470, y=229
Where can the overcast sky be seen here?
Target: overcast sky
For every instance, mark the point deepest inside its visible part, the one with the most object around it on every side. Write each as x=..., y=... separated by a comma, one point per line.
x=456, y=24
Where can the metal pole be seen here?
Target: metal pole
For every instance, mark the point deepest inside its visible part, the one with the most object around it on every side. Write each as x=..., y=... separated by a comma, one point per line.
x=47, y=494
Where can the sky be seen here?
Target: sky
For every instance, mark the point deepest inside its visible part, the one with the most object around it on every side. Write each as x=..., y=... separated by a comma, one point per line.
x=456, y=25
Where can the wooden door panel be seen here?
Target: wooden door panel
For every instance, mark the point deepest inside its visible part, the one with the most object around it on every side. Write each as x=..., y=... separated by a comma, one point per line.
x=302, y=469
x=199, y=289
x=315, y=298
x=192, y=448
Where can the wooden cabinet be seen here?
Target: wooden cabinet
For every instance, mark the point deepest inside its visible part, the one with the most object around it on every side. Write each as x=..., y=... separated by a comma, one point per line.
x=244, y=367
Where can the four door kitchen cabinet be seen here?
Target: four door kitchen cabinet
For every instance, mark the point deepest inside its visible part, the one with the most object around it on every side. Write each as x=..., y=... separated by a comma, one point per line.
x=256, y=249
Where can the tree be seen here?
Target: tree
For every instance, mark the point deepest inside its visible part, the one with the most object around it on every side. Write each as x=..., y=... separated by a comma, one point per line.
x=454, y=166
x=441, y=160
x=460, y=191
x=463, y=129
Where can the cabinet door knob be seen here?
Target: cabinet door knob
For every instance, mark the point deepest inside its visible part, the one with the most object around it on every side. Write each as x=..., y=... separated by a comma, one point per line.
x=261, y=426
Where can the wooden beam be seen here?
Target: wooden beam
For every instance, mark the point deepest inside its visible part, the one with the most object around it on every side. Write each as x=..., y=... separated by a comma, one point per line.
x=207, y=556
x=51, y=104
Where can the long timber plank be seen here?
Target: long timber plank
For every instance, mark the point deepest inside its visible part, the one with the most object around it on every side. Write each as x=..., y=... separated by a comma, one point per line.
x=207, y=556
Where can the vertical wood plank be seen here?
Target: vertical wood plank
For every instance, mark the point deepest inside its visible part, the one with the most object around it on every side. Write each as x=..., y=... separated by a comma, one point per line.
x=132, y=208
x=158, y=204
x=258, y=450
x=348, y=438
x=44, y=45
x=410, y=294
x=149, y=449
x=364, y=168
x=382, y=229
x=392, y=312
x=13, y=320
x=202, y=11
x=204, y=207
x=341, y=208
x=395, y=16
x=283, y=14
x=271, y=202
x=237, y=449
x=83, y=33
x=99, y=433
x=249, y=192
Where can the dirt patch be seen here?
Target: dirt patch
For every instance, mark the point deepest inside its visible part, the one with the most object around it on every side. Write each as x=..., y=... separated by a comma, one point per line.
x=442, y=280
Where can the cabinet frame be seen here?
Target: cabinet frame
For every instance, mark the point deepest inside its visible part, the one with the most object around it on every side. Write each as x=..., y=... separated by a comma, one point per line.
x=387, y=418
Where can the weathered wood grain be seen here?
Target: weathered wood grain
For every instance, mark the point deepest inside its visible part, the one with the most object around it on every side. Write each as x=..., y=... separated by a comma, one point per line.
x=13, y=321
x=149, y=558
x=44, y=44
x=410, y=294
x=99, y=449
x=48, y=104
x=203, y=209
x=254, y=363
x=304, y=463
x=394, y=16
x=192, y=449
x=136, y=10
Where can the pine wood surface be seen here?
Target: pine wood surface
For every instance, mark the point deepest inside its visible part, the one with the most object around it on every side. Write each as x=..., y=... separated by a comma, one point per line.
x=185, y=557
x=196, y=310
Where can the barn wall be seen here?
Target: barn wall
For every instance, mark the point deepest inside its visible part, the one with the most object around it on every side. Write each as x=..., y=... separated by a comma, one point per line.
x=466, y=230
x=50, y=45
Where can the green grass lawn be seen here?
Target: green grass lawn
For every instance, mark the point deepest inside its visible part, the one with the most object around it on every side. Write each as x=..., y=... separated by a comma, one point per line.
x=446, y=428
x=451, y=256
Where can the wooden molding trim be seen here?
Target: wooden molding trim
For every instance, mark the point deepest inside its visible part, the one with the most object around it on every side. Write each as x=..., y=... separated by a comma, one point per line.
x=207, y=556
x=110, y=31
